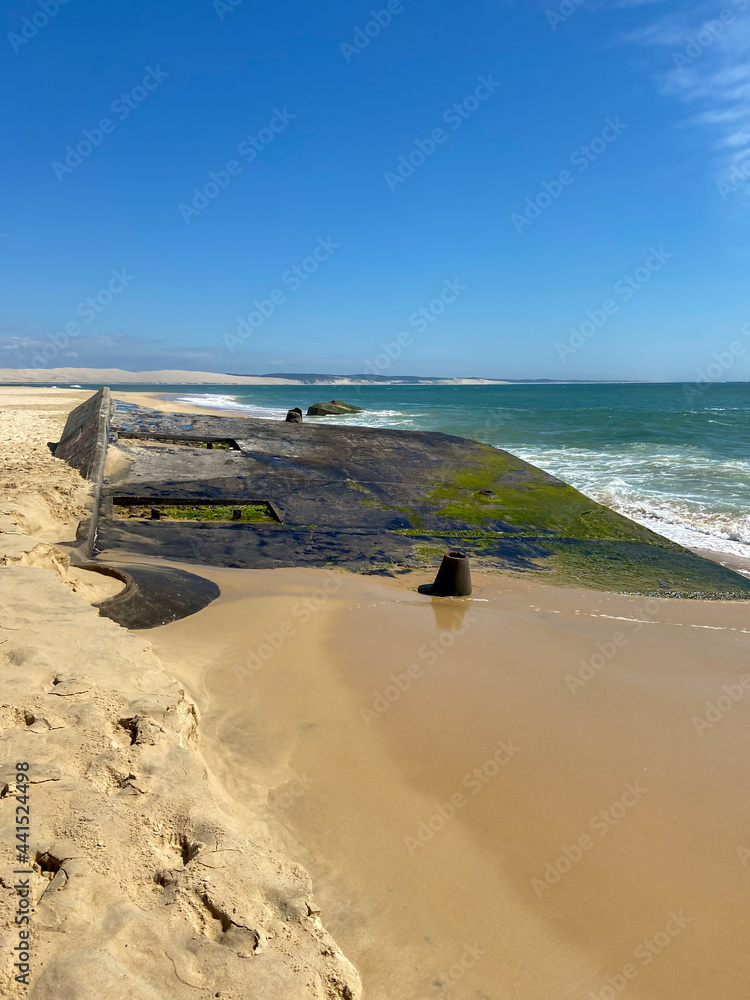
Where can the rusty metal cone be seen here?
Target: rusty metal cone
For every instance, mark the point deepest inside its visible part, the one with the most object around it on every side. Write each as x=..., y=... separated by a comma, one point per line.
x=454, y=576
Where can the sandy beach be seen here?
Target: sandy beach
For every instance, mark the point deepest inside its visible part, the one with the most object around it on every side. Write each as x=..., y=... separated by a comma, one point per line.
x=375, y=501
x=533, y=792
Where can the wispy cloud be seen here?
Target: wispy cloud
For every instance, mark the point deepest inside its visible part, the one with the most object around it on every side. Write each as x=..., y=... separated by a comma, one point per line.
x=116, y=349
x=703, y=64
x=709, y=74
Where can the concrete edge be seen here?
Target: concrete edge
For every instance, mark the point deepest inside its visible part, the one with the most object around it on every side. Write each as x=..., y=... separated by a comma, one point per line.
x=83, y=445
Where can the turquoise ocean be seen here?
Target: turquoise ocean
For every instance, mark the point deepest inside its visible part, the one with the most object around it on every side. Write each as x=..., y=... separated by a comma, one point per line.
x=675, y=457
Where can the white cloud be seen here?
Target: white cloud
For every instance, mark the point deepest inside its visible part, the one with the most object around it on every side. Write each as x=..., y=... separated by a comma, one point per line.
x=709, y=74
x=118, y=349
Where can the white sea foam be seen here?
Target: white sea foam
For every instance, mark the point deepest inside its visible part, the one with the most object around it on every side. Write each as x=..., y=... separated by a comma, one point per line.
x=371, y=418
x=396, y=419
x=215, y=401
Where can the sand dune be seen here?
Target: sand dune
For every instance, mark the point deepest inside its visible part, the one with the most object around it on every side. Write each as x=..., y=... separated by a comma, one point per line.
x=118, y=376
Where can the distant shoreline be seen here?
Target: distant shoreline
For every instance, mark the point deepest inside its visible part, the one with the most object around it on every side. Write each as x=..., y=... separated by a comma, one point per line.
x=119, y=376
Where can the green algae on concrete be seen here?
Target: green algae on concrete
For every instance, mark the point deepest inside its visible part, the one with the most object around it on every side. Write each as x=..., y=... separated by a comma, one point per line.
x=636, y=568
x=430, y=554
x=198, y=512
x=579, y=542
x=534, y=502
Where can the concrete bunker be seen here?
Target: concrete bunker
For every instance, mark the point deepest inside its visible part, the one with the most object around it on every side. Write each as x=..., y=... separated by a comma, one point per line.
x=375, y=500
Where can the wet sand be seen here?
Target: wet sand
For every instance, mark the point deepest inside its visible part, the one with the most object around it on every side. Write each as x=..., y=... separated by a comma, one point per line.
x=539, y=804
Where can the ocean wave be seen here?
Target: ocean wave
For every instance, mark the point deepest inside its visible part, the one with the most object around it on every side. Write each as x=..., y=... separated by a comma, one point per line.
x=368, y=418
x=218, y=402
x=712, y=530
x=384, y=418
x=682, y=495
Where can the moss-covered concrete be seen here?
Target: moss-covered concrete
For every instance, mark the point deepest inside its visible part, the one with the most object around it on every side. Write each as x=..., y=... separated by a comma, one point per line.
x=579, y=542
x=379, y=500
x=197, y=512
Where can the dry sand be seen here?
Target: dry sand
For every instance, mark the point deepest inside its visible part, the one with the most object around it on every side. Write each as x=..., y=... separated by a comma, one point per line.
x=538, y=809
x=41, y=498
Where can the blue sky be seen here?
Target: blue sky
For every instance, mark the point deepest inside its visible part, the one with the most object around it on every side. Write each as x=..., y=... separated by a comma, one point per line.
x=574, y=172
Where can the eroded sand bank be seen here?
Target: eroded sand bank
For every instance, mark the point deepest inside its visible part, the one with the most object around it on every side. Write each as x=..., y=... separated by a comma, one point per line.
x=545, y=810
